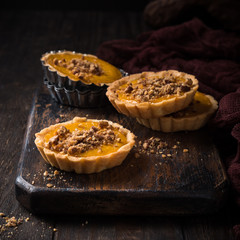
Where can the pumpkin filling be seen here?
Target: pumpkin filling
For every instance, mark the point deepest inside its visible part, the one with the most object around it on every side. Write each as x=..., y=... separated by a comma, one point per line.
x=85, y=139
x=199, y=105
x=87, y=68
x=153, y=89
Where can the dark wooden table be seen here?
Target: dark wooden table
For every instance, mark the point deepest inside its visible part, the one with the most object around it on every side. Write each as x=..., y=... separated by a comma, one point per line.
x=24, y=36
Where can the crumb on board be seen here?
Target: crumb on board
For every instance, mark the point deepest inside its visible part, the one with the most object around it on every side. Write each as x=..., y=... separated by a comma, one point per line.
x=11, y=223
x=48, y=105
x=157, y=146
x=49, y=185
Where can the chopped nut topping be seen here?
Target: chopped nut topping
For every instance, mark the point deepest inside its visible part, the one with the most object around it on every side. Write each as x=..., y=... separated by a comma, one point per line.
x=80, y=141
x=80, y=67
x=151, y=88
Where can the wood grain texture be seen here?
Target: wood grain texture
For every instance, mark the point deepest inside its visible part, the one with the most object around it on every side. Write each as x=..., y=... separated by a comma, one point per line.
x=25, y=35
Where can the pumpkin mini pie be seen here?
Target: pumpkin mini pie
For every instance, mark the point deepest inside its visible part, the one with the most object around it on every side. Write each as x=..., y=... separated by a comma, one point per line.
x=152, y=94
x=84, y=145
x=193, y=117
x=78, y=79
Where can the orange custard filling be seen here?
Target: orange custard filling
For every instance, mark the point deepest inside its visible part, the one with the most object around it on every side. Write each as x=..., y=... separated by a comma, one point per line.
x=153, y=89
x=199, y=105
x=82, y=67
x=85, y=139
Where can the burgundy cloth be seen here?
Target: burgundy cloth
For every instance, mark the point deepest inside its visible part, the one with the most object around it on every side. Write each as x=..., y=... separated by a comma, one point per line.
x=213, y=56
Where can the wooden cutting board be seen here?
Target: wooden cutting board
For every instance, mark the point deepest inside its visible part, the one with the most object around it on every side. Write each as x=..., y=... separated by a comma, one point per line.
x=192, y=182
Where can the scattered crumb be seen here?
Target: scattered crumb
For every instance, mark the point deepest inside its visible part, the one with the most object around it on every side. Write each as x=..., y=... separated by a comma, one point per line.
x=136, y=155
x=45, y=173
x=56, y=172
x=54, y=229
x=152, y=145
x=33, y=182
x=49, y=185
x=185, y=150
x=38, y=105
x=11, y=222
x=57, y=120
x=163, y=155
x=48, y=105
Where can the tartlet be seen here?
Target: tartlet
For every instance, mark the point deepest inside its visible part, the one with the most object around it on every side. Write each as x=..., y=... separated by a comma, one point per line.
x=191, y=118
x=84, y=145
x=74, y=77
x=152, y=94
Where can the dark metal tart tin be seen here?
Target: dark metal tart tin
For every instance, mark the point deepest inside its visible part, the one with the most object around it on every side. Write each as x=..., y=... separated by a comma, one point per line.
x=85, y=97
x=74, y=93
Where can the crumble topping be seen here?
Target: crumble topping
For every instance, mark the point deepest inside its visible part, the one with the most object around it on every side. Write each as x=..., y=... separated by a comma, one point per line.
x=80, y=141
x=151, y=88
x=79, y=67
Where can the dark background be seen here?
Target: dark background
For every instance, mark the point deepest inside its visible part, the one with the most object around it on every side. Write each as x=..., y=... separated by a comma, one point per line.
x=29, y=29
x=103, y=5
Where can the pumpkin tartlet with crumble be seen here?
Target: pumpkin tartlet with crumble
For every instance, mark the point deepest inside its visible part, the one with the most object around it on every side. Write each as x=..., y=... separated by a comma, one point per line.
x=152, y=94
x=85, y=145
x=191, y=118
x=80, y=68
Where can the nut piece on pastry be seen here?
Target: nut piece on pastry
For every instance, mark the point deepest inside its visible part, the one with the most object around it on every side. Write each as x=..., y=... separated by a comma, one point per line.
x=152, y=94
x=193, y=117
x=84, y=145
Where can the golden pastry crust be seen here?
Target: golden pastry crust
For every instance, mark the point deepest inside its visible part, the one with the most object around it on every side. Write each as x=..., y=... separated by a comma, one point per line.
x=185, y=120
x=153, y=109
x=85, y=163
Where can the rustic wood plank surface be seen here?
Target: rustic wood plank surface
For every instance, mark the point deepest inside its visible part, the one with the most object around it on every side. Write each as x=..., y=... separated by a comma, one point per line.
x=179, y=183
x=25, y=35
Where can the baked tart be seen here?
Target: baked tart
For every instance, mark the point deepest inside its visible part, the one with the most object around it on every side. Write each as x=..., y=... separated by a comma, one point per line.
x=193, y=117
x=74, y=78
x=84, y=145
x=152, y=94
